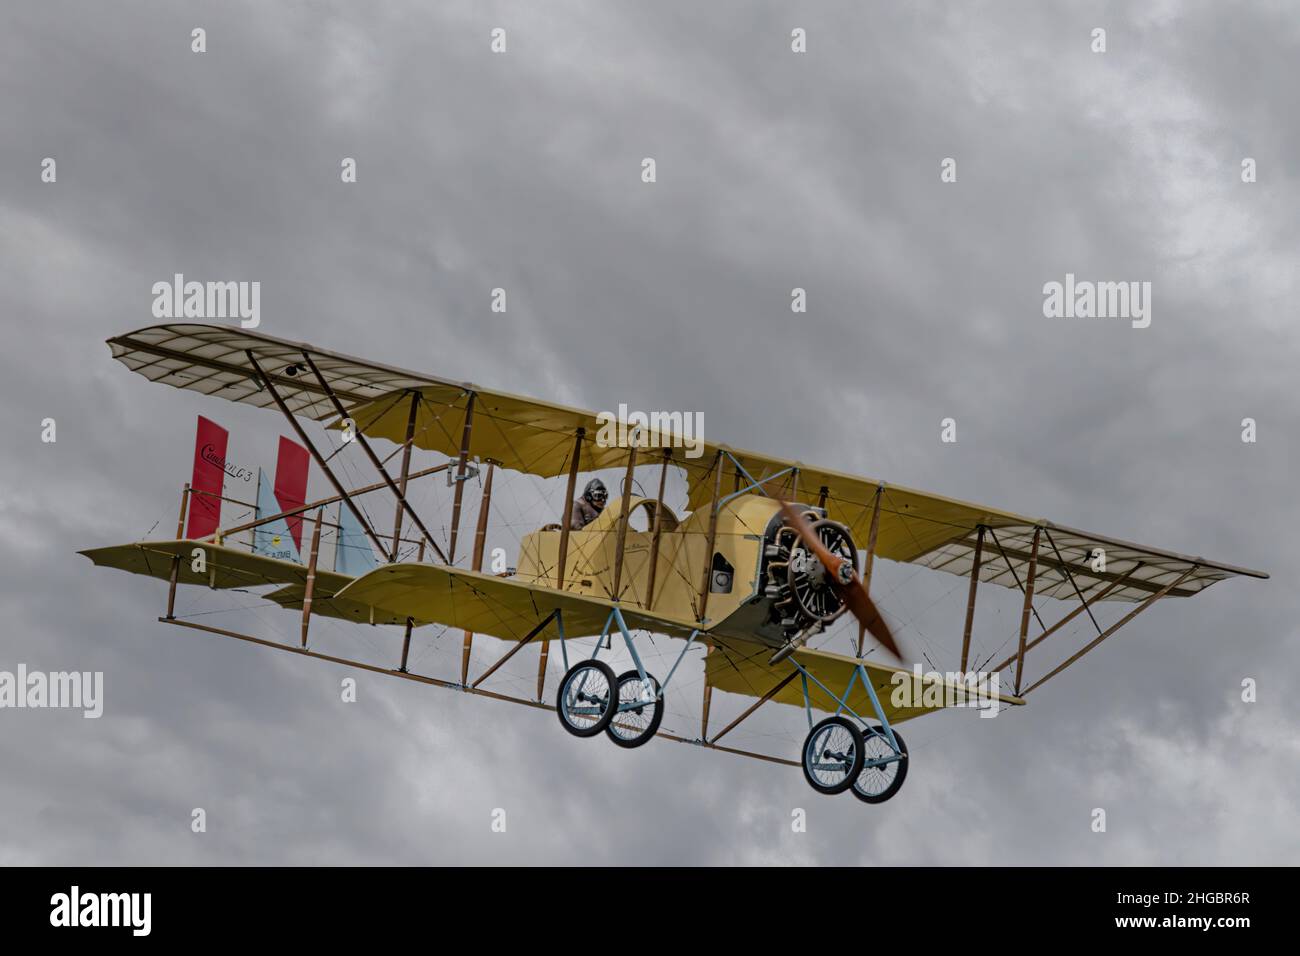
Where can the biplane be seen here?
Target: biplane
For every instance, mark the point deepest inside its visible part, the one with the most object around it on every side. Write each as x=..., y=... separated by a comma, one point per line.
x=763, y=559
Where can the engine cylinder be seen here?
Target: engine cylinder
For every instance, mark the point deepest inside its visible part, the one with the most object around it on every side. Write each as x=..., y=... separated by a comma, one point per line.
x=795, y=581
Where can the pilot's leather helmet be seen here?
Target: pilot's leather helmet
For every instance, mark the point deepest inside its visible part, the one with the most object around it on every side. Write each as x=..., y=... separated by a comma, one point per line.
x=595, y=493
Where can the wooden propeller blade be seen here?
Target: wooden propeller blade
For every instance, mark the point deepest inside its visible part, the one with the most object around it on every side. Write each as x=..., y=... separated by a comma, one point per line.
x=853, y=592
x=868, y=615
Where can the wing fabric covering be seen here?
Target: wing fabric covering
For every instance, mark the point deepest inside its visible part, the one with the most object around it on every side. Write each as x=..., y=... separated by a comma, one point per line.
x=486, y=604
x=225, y=567
x=537, y=437
x=390, y=594
x=741, y=668
x=228, y=568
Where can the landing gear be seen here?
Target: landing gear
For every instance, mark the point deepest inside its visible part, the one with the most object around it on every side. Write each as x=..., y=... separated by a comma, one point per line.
x=587, y=699
x=628, y=709
x=640, y=710
x=882, y=773
x=843, y=751
x=832, y=755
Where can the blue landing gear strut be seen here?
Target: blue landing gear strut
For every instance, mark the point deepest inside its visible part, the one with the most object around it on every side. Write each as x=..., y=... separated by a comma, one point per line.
x=838, y=754
x=629, y=708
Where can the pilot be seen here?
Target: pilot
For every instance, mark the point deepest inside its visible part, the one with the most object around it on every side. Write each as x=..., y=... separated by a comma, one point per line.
x=591, y=504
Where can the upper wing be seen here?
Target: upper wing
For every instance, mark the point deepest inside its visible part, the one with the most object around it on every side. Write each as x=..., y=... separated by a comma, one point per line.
x=212, y=359
x=537, y=437
x=487, y=604
x=522, y=434
x=744, y=669
x=942, y=533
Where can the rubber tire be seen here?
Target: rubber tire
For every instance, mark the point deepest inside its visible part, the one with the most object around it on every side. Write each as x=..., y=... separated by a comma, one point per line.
x=897, y=783
x=645, y=736
x=854, y=770
x=603, y=722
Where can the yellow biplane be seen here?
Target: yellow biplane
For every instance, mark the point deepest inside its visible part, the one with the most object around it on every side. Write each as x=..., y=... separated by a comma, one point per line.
x=766, y=558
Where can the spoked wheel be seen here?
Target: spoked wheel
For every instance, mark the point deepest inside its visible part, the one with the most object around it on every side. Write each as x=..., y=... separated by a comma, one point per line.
x=587, y=699
x=832, y=755
x=878, y=784
x=640, y=710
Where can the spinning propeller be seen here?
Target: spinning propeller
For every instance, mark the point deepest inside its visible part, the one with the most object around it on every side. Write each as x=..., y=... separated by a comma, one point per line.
x=844, y=581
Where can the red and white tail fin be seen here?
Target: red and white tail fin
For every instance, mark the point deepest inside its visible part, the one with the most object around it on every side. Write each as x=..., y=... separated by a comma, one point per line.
x=291, y=483
x=209, y=473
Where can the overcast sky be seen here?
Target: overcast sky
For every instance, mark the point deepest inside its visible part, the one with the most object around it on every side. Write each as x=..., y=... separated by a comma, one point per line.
x=775, y=170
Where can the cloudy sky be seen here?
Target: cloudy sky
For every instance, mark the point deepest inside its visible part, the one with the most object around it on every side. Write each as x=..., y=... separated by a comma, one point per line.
x=775, y=170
